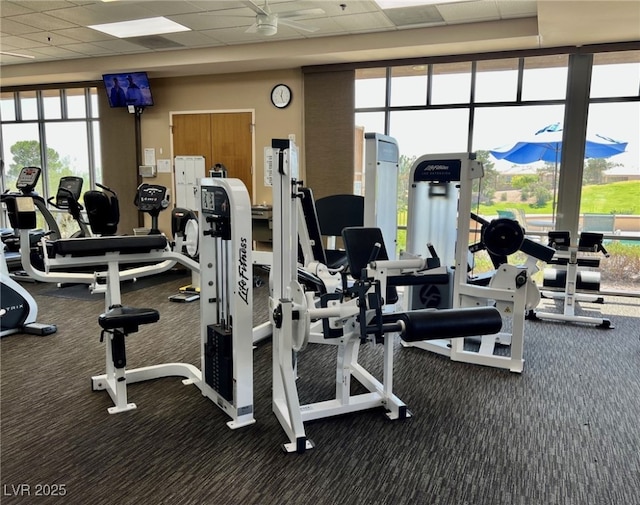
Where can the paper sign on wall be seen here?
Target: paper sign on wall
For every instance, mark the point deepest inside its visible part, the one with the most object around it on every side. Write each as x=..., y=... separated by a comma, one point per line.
x=164, y=166
x=268, y=166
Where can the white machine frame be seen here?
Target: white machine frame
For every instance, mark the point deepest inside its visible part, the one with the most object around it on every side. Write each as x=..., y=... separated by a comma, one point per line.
x=226, y=291
x=382, y=154
x=292, y=312
x=115, y=380
x=570, y=296
x=510, y=297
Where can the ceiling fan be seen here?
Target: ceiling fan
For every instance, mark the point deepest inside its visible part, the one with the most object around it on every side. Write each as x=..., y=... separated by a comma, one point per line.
x=267, y=22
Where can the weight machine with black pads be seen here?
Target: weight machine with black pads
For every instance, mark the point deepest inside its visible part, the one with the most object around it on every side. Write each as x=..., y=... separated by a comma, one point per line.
x=358, y=318
x=439, y=203
x=573, y=277
x=226, y=373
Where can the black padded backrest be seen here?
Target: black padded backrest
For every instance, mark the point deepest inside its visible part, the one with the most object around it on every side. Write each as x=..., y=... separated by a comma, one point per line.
x=313, y=227
x=590, y=241
x=103, y=212
x=359, y=244
x=337, y=212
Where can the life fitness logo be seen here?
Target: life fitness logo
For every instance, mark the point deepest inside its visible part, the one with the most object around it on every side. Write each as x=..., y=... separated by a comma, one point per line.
x=438, y=170
x=243, y=268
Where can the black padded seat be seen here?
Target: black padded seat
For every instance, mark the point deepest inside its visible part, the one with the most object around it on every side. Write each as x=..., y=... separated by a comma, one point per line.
x=97, y=246
x=127, y=318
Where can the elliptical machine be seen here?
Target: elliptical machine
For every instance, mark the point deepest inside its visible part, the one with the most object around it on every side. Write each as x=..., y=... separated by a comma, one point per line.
x=27, y=180
x=18, y=309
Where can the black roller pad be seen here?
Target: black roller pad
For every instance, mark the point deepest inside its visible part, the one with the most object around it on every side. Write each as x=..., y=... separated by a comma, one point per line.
x=432, y=324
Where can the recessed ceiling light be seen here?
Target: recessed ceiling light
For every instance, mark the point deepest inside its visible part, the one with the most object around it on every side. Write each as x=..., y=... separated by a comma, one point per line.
x=140, y=27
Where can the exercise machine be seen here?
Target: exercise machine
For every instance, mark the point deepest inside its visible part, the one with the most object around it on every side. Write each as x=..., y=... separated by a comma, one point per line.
x=440, y=197
x=225, y=376
x=574, y=272
x=18, y=309
x=152, y=199
x=184, y=229
x=382, y=156
x=357, y=319
x=27, y=180
x=68, y=199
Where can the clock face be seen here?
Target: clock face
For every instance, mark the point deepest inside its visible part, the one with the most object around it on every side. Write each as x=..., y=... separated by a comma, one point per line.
x=281, y=95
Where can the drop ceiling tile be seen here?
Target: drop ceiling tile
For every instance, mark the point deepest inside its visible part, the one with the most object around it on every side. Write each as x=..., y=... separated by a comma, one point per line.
x=465, y=12
x=412, y=16
x=57, y=52
x=11, y=27
x=325, y=26
x=83, y=34
x=10, y=43
x=14, y=9
x=50, y=38
x=171, y=8
x=88, y=49
x=192, y=39
x=360, y=7
x=120, y=46
x=364, y=22
x=42, y=21
x=214, y=21
x=43, y=5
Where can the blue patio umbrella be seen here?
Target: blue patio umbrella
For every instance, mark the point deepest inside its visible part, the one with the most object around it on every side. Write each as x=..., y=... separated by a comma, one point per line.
x=546, y=145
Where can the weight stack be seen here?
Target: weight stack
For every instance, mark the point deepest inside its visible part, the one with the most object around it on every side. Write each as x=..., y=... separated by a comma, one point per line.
x=218, y=364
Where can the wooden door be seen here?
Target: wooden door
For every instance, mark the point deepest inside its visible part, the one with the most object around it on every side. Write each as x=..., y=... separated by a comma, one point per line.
x=225, y=138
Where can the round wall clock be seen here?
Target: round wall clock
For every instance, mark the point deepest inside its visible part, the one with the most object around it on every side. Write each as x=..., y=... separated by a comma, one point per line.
x=281, y=96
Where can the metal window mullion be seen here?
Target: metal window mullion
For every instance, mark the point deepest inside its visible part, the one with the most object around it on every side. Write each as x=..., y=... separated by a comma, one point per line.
x=63, y=104
x=520, y=80
x=43, y=157
x=89, y=121
x=429, y=83
x=472, y=109
x=387, y=101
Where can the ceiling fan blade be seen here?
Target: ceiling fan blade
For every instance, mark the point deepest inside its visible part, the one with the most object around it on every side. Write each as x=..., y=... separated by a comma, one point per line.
x=252, y=29
x=256, y=8
x=17, y=55
x=298, y=26
x=300, y=13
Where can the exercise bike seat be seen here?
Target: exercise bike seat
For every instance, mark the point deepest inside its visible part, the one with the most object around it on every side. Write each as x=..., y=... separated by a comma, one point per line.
x=127, y=318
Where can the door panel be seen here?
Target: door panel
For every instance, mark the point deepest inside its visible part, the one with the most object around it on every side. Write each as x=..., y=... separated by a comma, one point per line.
x=192, y=136
x=225, y=138
x=231, y=136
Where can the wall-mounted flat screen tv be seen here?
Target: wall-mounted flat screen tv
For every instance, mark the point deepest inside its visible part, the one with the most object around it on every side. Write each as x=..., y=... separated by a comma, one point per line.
x=130, y=88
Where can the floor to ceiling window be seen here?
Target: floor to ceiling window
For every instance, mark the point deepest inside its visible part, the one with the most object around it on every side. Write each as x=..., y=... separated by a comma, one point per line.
x=486, y=105
x=54, y=129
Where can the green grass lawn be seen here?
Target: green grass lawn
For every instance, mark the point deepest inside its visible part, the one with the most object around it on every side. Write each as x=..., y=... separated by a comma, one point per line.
x=613, y=198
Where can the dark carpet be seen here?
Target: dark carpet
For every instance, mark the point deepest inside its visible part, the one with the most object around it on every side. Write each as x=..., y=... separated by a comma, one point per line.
x=82, y=291
x=566, y=431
